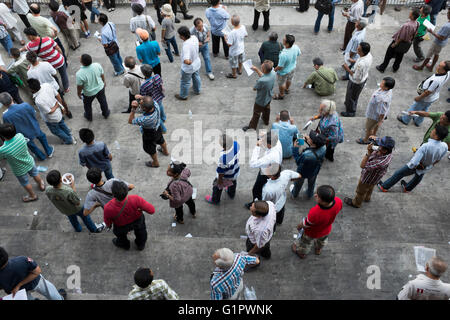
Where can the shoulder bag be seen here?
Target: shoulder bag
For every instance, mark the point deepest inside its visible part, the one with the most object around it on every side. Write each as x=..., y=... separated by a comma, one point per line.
x=112, y=47
x=323, y=77
x=324, y=6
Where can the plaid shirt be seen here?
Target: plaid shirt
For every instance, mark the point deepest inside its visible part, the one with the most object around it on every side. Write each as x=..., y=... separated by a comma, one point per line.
x=158, y=290
x=375, y=169
x=224, y=283
x=149, y=120
x=153, y=87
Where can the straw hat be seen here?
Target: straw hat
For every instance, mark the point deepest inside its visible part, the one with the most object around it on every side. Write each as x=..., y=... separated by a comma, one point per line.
x=143, y=34
x=167, y=10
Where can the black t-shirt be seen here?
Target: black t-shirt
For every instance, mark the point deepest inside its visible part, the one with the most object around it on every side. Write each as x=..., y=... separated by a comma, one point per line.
x=16, y=270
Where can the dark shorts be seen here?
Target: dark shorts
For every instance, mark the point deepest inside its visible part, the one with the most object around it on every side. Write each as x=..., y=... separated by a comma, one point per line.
x=151, y=138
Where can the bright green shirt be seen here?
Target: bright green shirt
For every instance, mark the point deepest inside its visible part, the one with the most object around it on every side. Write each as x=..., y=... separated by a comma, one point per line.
x=90, y=78
x=64, y=199
x=15, y=151
x=435, y=116
x=422, y=29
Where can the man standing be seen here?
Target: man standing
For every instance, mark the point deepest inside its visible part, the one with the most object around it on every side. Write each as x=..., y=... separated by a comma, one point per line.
x=227, y=281
x=427, y=286
x=317, y=225
x=148, y=51
x=423, y=161
x=431, y=88
x=260, y=227
x=374, y=166
x=21, y=8
x=111, y=44
x=91, y=85
x=322, y=80
x=286, y=65
x=378, y=108
x=15, y=151
x=125, y=213
x=421, y=32
x=263, y=87
x=190, y=64
x=23, y=117
x=10, y=22
x=132, y=80
x=217, y=15
x=401, y=43
x=438, y=118
x=23, y=273
x=358, y=75
x=355, y=13
x=287, y=131
x=227, y=171
x=351, y=54
x=49, y=103
x=6, y=85
x=264, y=7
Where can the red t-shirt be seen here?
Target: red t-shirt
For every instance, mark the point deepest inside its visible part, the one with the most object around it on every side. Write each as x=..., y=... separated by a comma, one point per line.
x=132, y=212
x=47, y=51
x=320, y=219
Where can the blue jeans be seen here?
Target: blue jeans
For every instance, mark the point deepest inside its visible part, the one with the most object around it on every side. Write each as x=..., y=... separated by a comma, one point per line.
x=163, y=117
x=108, y=173
x=416, y=106
x=7, y=43
x=319, y=19
x=86, y=219
x=185, y=83
x=45, y=288
x=34, y=148
x=299, y=184
x=60, y=130
x=401, y=173
x=64, y=78
x=116, y=61
x=172, y=41
x=204, y=50
x=94, y=11
x=366, y=6
x=433, y=18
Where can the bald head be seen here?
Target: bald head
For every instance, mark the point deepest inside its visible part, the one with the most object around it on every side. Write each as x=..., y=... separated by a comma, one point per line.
x=437, y=266
x=35, y=8
x=147, y=103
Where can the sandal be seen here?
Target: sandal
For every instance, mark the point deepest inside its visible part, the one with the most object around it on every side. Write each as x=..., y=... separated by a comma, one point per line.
x=286, y=91
x=294, y=249
x=239, y=72
x=361, y=141
x=317, y=251
x=231, y=76
x=150, y=164
x=278, y=97
x=176, y=220
x=29, y=199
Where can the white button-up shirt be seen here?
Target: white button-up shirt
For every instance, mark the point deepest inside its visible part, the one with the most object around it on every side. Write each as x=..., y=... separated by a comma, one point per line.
x=356, y=11
x=275, y=190
x=424, y=288
x=260, y=229
x=190, y=52
x=272, y=155
x=361, y=69
x=21, y=6
x=45, y=100
x=427, y=155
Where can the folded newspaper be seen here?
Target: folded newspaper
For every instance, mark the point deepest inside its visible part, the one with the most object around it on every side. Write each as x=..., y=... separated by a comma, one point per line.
x=423, y=255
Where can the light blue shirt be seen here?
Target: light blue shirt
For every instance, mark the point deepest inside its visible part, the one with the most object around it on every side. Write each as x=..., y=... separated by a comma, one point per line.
x=109, y=33
x=217, y=19
x=428, y=154
x=288, y=59
x=353, y=44
x=286, y=132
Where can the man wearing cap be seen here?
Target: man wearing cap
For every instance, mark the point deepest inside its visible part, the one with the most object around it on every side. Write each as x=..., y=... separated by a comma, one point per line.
x=308, y=162
x=374, y=166
x=149, y=51
x=423, y=161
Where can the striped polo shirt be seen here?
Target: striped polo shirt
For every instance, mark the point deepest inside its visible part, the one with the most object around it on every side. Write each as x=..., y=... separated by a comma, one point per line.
x=47, y=52
x=15, y=151
x=153, y=87
x=229, y=162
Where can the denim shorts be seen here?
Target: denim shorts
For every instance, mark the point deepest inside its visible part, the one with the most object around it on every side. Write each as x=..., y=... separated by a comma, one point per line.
x=23, y=180
x=235, y=60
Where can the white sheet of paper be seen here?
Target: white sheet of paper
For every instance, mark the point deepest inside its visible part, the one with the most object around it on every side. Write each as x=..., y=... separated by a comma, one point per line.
x=429, y=25
x=423, y=255
x=307, y=125
x=247, y=65
x=20, y=295
x=188, y=235
x=226, y=31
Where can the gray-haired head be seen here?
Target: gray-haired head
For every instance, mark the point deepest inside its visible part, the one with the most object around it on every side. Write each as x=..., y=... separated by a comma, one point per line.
x=146, y=70
x=235, y=20
x=273, y=36
x=437, y=266
x=363, y=22
x=6, y=99
x=317, y=62
x=224, y=258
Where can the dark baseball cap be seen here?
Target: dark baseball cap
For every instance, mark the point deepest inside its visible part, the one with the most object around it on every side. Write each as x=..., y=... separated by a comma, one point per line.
x=385, y=142
x=317, y=138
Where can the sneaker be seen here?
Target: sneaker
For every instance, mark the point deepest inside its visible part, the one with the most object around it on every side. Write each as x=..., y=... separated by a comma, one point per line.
x=51, y=153
x=177, y=96
x=210, y=76
x=208, y=199
x=112, y=9
x=74, y=141
x=116, y=74
x=404, y=183
x=380, y=187
x=291, y=188
x=63, y=293
x=100, y=227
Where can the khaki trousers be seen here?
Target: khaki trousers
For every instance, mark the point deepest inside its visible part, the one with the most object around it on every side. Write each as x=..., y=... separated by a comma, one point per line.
x=371, y=128
x=363, y=193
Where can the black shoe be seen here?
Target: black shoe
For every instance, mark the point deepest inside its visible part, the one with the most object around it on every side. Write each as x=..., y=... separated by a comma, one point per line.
x=254, y=27
x=299, y=10
x=379, y=69
x=140, y=248
x=347, y=114
x=248, y=205
x=177, y=20
x=107, y=115
x=63, y=293
x=3, y=173
x=69, y=115
x=404, y=184
x=394, y=70
x=245, y=128
x=266, y=27
x=114, y=241
x=126, y=111
x=187, y=16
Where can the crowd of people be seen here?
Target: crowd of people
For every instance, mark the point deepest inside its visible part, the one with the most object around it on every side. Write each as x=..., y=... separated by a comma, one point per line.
x=38, y=63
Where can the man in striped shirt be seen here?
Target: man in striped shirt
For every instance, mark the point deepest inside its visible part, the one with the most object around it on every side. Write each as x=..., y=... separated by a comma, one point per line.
x=227, y=279
x=48, y=50
x=227, y=170
x=146, y=288
x=374, y=166
x=15, y=151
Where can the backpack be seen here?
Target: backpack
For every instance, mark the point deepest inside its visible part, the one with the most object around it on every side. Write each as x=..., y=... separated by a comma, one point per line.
x=303, y=5
x=324, y=6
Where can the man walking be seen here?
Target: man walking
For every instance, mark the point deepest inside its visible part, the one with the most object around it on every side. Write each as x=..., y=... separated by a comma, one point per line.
x=190, y=64
x=23, y=117
x=358, y=75
x=125, y=213
x=423, y=161
x=91, y=85
x=263, y=87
